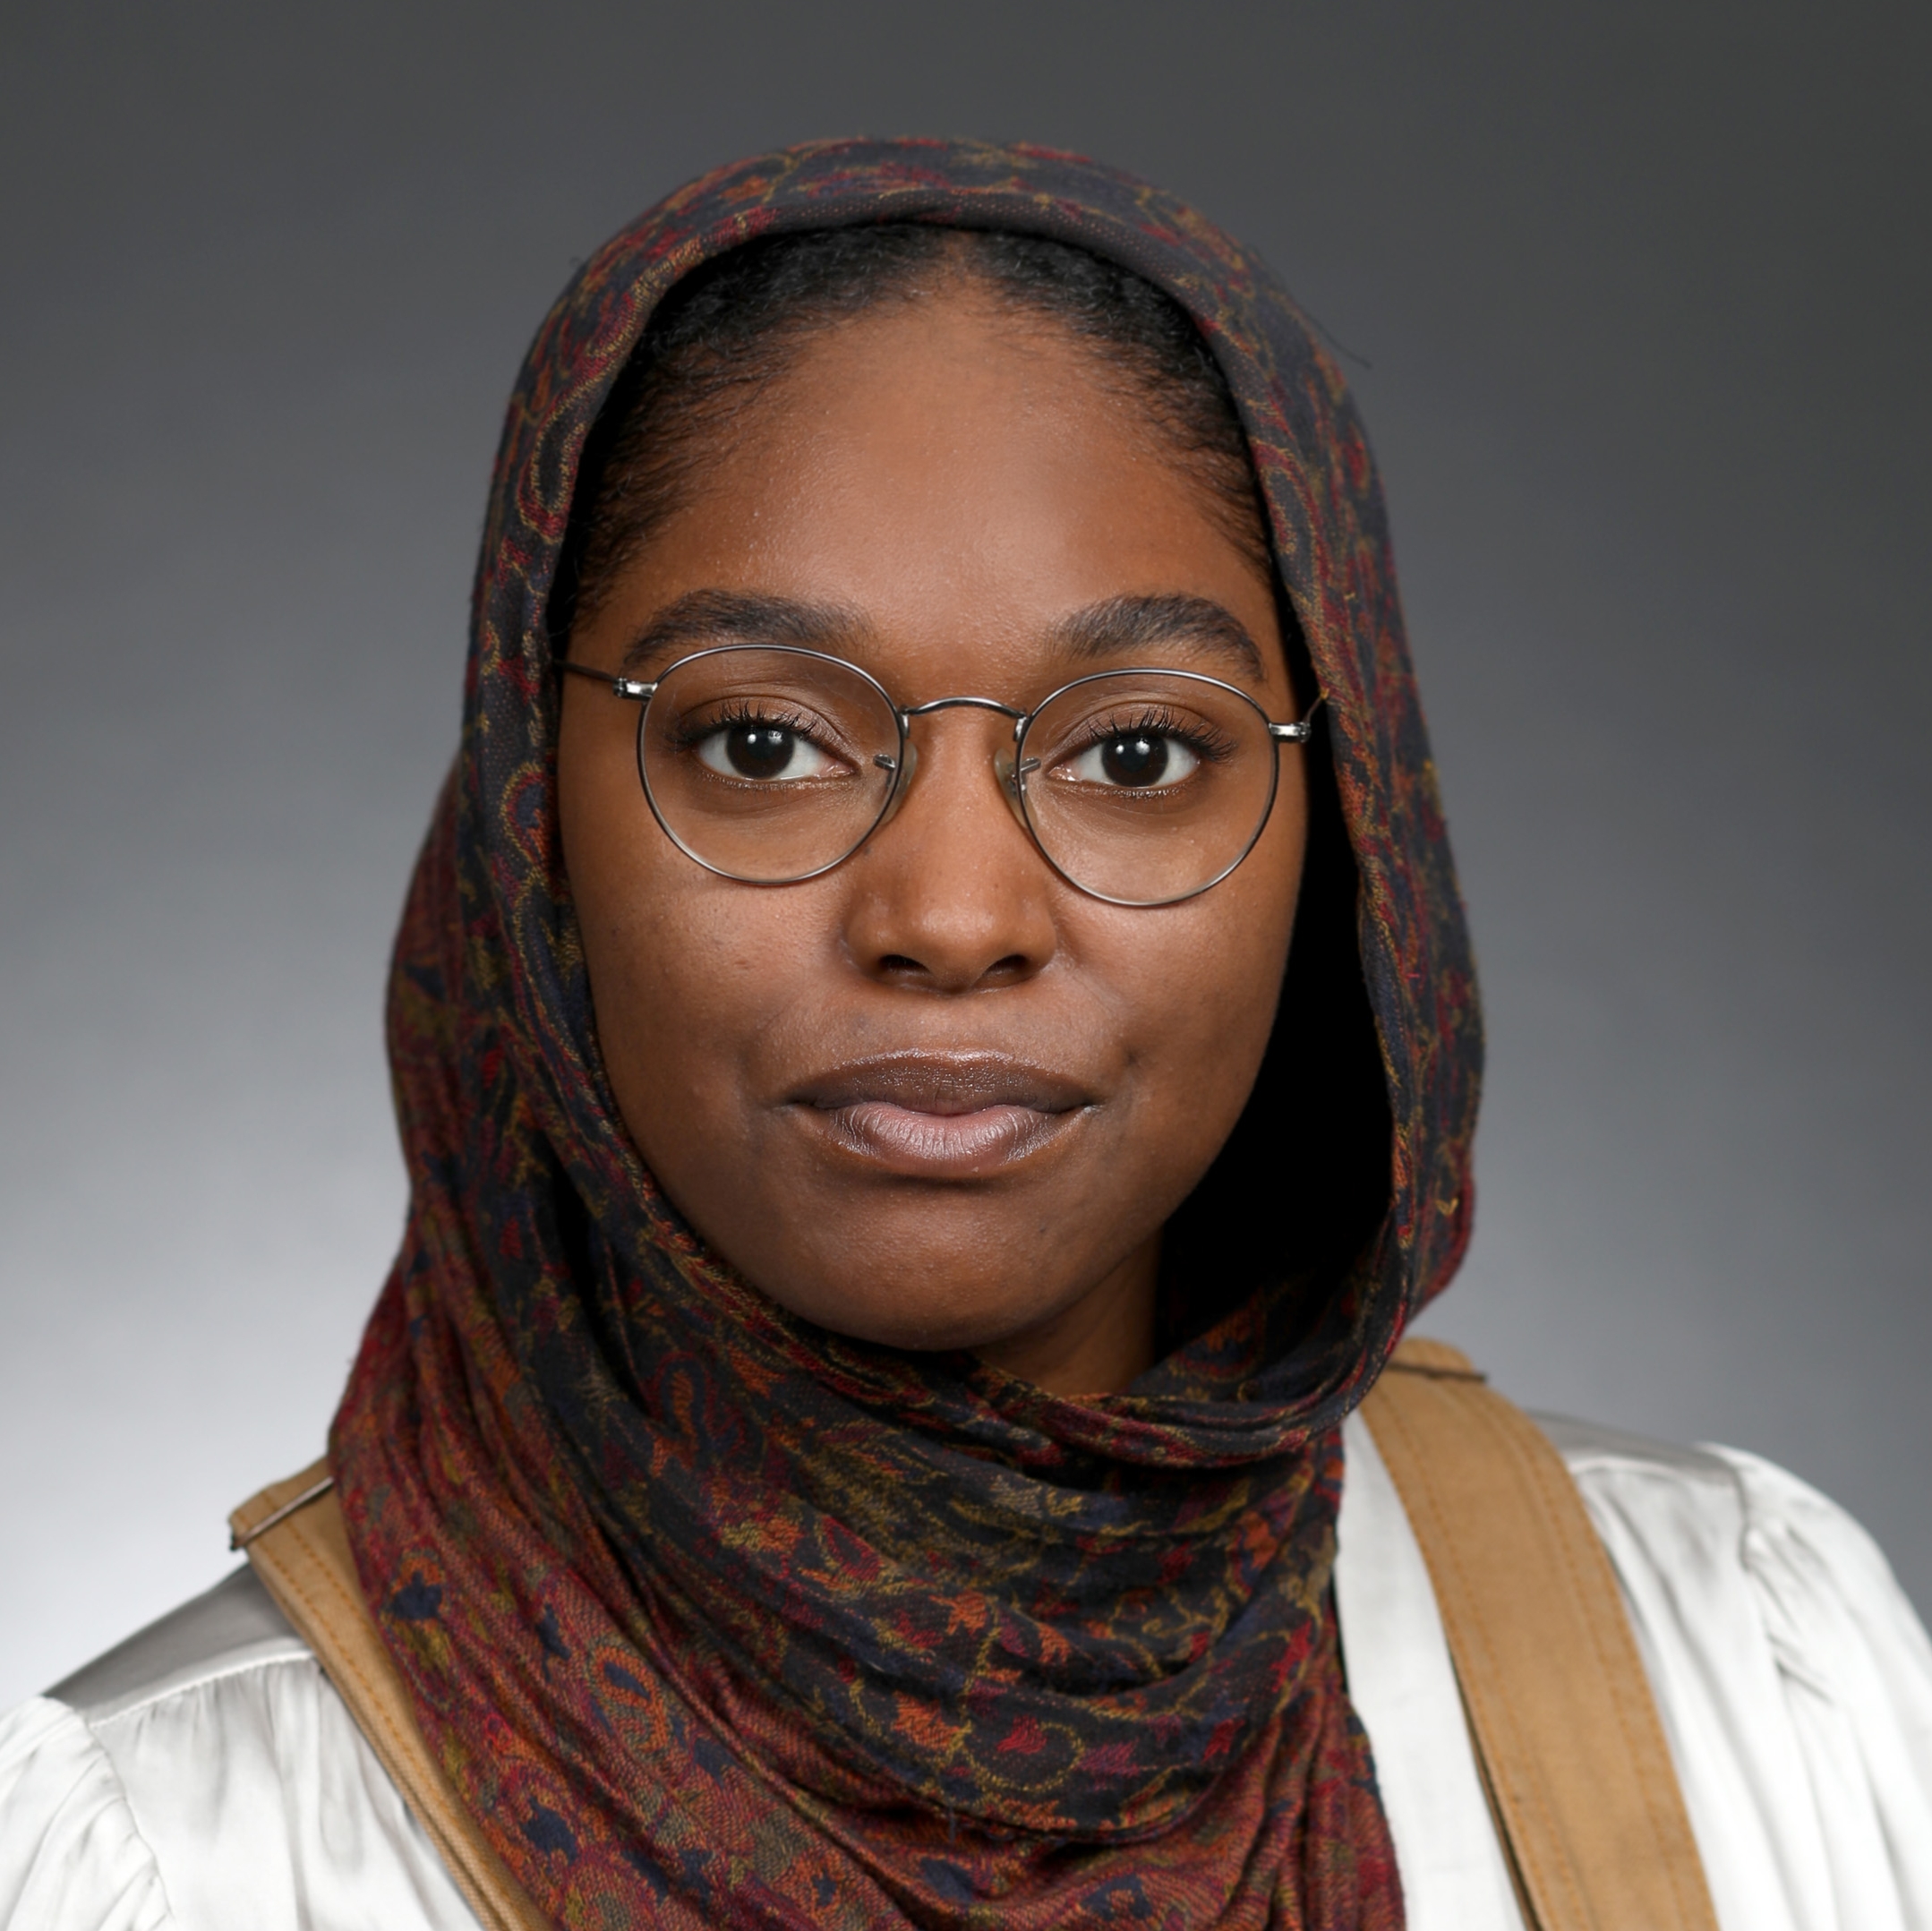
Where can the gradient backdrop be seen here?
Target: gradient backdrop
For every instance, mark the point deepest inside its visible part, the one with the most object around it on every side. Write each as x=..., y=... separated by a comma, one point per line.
x=1636, y=298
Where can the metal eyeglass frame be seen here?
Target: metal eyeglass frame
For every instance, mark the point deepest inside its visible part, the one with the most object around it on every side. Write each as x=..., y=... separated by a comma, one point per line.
x=1013, y=773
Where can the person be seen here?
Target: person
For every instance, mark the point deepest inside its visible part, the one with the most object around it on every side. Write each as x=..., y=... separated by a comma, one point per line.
x=937, y=1052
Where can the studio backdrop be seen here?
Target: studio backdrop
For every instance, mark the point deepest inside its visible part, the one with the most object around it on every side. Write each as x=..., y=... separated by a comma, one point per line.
x=1635, y=299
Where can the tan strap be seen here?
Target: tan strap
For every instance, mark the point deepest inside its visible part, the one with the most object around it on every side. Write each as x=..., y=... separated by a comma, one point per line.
x=1566, y=1730
x=294, y=1537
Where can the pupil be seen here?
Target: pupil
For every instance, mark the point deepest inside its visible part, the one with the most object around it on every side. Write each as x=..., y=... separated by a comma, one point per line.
x=758, y=751
x=1139, y=759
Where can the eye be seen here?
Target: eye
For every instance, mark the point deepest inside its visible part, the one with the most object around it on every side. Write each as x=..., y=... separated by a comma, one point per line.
x=763, y=751
x=1140, y=759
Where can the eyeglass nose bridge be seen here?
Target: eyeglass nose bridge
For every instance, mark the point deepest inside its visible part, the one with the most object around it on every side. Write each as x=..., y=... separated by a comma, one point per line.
x=905, y=767
x=911, y=710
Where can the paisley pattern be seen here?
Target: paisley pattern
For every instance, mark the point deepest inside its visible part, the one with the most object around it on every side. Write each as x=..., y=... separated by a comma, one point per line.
x=716, y=1619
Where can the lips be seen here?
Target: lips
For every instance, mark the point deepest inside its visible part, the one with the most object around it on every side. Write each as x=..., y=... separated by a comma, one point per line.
x=957, y=1116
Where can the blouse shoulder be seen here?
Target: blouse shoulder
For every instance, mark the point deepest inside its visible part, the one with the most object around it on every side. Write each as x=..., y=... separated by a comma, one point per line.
x=1793, y=1681
x=205, y=1773
x=71, y=1854
x=1792, y=1676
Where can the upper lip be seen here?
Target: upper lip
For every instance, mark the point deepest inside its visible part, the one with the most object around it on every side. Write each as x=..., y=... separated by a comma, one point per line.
x=944, y=1084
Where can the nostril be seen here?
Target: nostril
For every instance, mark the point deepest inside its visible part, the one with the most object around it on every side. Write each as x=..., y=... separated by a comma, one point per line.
x=1013, y=966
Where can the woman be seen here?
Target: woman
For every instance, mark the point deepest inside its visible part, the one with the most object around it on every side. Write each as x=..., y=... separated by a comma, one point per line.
x=937, y=1053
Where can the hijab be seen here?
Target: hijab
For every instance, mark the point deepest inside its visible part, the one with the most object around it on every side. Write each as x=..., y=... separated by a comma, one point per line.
x=715, y=1619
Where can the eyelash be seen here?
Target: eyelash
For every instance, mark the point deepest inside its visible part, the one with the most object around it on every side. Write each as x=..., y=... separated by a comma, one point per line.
x=742, y=716
x=1212, y=746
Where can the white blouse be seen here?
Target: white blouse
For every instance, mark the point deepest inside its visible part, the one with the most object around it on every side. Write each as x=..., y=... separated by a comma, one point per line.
x=206, y=1776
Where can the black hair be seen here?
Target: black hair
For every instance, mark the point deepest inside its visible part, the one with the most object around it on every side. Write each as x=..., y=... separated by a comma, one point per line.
x=1302, y=1182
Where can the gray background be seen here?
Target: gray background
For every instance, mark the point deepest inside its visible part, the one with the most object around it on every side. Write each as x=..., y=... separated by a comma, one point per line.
x=1644, y=286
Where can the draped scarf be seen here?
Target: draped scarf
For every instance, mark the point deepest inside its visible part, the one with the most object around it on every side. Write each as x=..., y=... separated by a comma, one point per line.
x=714, y=1619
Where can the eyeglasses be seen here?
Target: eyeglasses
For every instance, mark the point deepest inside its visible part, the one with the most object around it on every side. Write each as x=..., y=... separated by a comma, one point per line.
x=772, y=764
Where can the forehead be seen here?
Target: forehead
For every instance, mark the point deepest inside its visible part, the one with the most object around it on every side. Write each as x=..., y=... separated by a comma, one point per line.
x=960, y=478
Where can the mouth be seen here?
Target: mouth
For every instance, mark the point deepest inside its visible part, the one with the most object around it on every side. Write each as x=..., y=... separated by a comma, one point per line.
x=942, y=1116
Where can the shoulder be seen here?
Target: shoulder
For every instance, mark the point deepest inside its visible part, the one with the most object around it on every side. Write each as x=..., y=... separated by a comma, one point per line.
x=1734, y=1507
x=205, y=1773
x=234, y=1626
x=1740, y=1579
x=1793, y=1678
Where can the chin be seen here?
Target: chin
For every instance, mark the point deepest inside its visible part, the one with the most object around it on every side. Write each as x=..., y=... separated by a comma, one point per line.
x=920, y=1320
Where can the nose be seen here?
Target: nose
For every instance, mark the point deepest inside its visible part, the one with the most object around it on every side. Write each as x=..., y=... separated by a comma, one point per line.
x=951, y=894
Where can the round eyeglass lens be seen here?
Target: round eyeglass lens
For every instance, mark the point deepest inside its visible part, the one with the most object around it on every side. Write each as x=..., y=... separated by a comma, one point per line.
x=1144, y=787
x=764, y=763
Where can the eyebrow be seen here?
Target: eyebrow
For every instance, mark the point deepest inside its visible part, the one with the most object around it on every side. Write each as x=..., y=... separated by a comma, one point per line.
x=704, y=618
x=1123, y=626
x=1119, y=627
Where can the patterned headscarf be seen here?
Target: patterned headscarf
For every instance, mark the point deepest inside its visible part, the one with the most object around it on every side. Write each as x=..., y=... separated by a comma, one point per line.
x=715, y=1619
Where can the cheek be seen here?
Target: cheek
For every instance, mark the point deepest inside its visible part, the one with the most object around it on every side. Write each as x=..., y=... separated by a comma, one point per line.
x=689, y=973
x=1206, y=993
x=1193, y=990
x=676, y=968
x=1218, y=982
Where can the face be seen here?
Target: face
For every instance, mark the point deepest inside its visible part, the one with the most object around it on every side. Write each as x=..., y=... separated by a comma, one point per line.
x=934, y=1098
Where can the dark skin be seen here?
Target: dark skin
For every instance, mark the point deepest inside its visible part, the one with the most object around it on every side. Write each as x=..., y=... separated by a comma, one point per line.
x=935, y=1097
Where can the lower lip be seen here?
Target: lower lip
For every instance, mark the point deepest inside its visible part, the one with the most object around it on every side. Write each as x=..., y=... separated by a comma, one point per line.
x=952, y=1146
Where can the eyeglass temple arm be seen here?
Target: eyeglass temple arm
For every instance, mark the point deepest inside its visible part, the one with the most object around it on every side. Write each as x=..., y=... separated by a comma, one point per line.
x=619, y=687
x=1294, y=733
